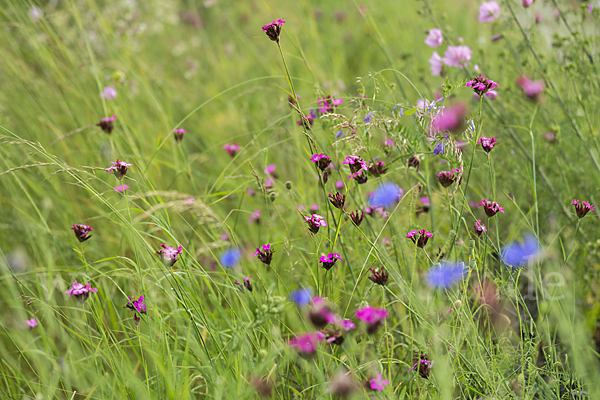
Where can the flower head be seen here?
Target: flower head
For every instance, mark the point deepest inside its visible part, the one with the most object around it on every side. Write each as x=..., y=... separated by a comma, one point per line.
x=31, y=323
x=582, y=207
x=445, y=274
x=373, y=317
x=368, y=118
x=440, y=148
x=323, y=161
x=121, y=188
x=327, y=104
x=80, y=291
x=491, y=208
x=518, y=254
x=107, y=124
x=82, y=232
x=308, y=342
x=419, y=237
x=489, y=11
x=447, y=178
x=273, y=30
x=270, y=170
x=231, y=149
x=329, y=260
x=423, y=366
x=137, y=305
x=254, y=217
x=178, y=133
x=337, y=200
x=377, y=168
x=301, y=296
x=451, y=119
x=434, y=38
x=378, y=383
x=118, y=168
x=527, y=3
x=456, y=56
x=386, y=195
x=230, y=257
x=315, y=222
x=380, y=276
x=356, y=164
x=109, y=93
x=356, y=217
x=533, y=90
x=481, y=85
x=487, y=143
x=436, y=64
x=265, y=254
x=413, y=161
x=247, y=284
x=169, y=254
x=479, y=227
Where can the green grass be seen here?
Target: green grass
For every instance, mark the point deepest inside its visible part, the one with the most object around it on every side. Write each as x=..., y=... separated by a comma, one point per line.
x=224, y=81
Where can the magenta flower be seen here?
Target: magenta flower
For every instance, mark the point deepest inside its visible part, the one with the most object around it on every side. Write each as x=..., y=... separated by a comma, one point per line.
x=356, y=164
x=447, y=178
x=269, y=182
x=118, y=168
x=31, y=323
x=107, y=124
x=534, y=90
x=492, y=94
x=489, y=11
x=377, y=169
x=434, y=38
x=82, y=232
x=109, y=93
x=479, y=227
x=315, y=222
x=376, y=212
x=121, y=188
x=265, y=254
x=527, y=3
x=169, y=254
x=337, y=200
x=487, y=143
x=308, y=342
x=378, y=383
x=254, y=217
x=380, y=276
x=436, y=64
x=178, y=133
x=273, y=30
x=451, y=119
x=423, y=367
x=491, y=207
x=481, y=85
x=421, y=240
x=457, y=56
x=323, y=161
x=356, y=218
x=373, y=317
x=329, y=260
x=231, y=149
x=270, y=170
x=320, y=314
x=80, y=291
x=138, y=306
x=582, y=207
x=339, y=184
x=327, y=104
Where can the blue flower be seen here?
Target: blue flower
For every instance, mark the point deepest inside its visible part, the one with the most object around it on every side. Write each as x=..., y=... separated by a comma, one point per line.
x=386, y=195
x=368, y=118
x=446, y=274
x=517, y=254
x=339, y=134
x=230, y=257
x=301, y=296
x=440, y=148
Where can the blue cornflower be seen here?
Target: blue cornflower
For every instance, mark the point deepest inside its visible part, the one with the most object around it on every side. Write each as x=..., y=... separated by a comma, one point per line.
x=230, y=257
x=517, y=254
x=368, y=118
x=440, y=148
x=301, y=296
x=386, y=195
x=446, y=274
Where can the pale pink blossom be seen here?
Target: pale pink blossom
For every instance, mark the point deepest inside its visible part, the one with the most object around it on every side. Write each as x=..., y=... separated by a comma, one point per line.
x=457, y=56
x=434, y=38
x=436, y=64
x=527, y=3
x=489, y=11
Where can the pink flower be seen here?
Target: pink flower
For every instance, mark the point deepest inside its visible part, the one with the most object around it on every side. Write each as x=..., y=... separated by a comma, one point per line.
x=315, y=222
x=273, y=30
x=451, y=119
x=582, y=207
x=457, y=56
x=532, y=89
x=118, y=168
x=109, y=93
x=491, y=208
x=373, y=317
x=308, y=342
x=254, y=217
x=479, y=227
x=436, y=64
x=80, y=291
x=326, y=105
x=527, y=3
x=231, y=149
x=31, y=323
x=82, y=232
x=121, y=188
x=487, y=143
x=489, y=11
x=270, y=170
x=556, y=13
x=169, y=254
x=421, y=241
x=378, y=383
x=434, y=38
x=481, y=85
x=339, y=184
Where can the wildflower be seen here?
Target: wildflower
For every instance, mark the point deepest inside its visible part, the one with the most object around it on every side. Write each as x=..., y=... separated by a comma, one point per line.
x=388, y=144
x=109, y=93
x=533, y=90
x=479, y=227
x=487, y=143
x=307, y=121
x=538, y=18
x=320, y=314
x=451, y=119
x=315, y=222
x=386, y=240
x=368, y=118
x=434, y=38
x=380, y=276
x=339, y=184
x=423, y=367
x=457, y=56
x=373, y=317
x=269, y=182
x=550, y=137
x=329, y=260
x=413, y=161
x=447, y=178
x=424, y=206
x=327, y=104
x=360, y=177
x=169, y=254
x=301, y=296
x=436, y=64
x=496, y=37
x=518, y=254
x=356, y=164
x=582, y=207
x=337, y=200
x=80, y=291
x=308, y=342
x=445, y=274
x=313, y=208
x=107, y=124
x=375, y=211
x=230, y=257
x=342, y=385
x=421, y=241
x=491, y=207
x=481, y=85
x=35, y=13
x=31, y=323
x=178, y=133
x=378, y=168
x=231, y=149
x=322, y=161
x=270, y=170
x=246, y=285
x=265, y=254
x=119, y=168
x=440, y=148
x=273, y=30
x=527, y=3
x=250, y=192
x=590, y=8
x=138, y=306
x=378, y=383
x=386, y=195
x=291, y=101
x=121, y=188
x=489, y=11
x=82, y=232
x=356, y=218
x=254, y=217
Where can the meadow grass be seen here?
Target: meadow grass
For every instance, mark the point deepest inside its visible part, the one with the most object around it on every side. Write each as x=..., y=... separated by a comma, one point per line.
x=483, y=327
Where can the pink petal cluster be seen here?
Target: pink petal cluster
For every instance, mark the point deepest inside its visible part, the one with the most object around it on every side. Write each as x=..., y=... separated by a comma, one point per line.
x=457, y=56
x=489, y=11
x=434, y=38
x=308, y=342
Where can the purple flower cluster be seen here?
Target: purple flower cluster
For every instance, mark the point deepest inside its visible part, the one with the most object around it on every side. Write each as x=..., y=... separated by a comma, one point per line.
x=419, y=237
x=264, y=254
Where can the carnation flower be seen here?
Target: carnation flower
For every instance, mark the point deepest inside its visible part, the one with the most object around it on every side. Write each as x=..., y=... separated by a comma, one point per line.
x=337, y=200
x=121, y=188
x=491, y=207
x=254, y=217
x=138, y=306
x=80, y=291
x=487, y=143
x=273, y=30
x=118, y=168
x=489, y=11
x=178, y=133
x=323, y=161
x=373, y=317
x=231, y=149
x=107, y=124
x=450, y=119
x=308, y=342
x=31, y=323
x=82, y=232
x=582, y=207
x=527, y=3
x=378, y=383
x=380, y=276
x=327, y=104
x=329, y=260
x=169, y=254
x=419, y=237
x=479, y=227
x=315, y=222
x=377, y=168
x=447, y=178
x=356, y=218
x=265, y=254
x=533, y=90
x=109, y=93
x=423, y=367
x=481, y=85
x=434, y=38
